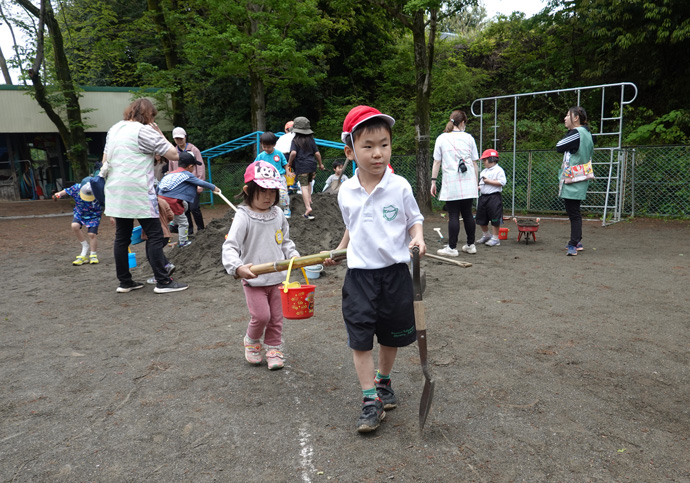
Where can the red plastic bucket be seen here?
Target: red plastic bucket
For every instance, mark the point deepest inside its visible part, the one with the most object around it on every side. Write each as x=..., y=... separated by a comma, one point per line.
x=298, y=302
x=503, y=233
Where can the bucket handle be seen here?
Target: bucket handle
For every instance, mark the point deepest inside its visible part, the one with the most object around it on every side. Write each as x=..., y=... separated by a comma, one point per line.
x=287, y=279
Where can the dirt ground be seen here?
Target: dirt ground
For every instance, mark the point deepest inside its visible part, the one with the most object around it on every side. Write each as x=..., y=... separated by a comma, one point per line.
x=547, y=367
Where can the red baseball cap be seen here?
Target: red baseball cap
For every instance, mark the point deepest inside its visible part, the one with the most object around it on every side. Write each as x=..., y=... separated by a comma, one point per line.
x=489, y=153
x=358, y=115
x=263, y=174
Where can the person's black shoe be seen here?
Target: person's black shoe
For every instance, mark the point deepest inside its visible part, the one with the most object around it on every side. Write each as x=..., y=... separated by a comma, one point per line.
x=124, y=288
x=386, y=394
x=173, y=286
x=372, y=415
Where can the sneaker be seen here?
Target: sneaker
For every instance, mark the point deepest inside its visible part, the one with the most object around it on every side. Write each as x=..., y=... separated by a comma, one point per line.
x=578, y=247
x=471, y=249
x=275, y=359
x=184, y=244
x=252, y=351
x=172, y=286
x=386, y=394
x=448, y=251
x=572, y=251
x=130, y=287
x=93, y=259
x=287, y=212
x=372, y=415
x=484, y=238
x=170, y=268
x=79, y=261
x=494, y=242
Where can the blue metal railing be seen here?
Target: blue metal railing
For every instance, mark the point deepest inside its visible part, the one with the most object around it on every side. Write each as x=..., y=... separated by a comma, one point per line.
x=246, y=141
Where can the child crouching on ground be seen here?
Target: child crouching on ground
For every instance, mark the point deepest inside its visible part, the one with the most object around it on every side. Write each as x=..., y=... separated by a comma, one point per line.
x=259, y=234
x=87, y=212
x=382, y=223
x=335, y=180
x=178, y=188
x=492, y=179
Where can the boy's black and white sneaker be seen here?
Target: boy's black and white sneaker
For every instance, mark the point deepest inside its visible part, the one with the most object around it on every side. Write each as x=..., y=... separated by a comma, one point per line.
x=386, y=394
x=124, y=288
x=372, y=415
x=173, y=286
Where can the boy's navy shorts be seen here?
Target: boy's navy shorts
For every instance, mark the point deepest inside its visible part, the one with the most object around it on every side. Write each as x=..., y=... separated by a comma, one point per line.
x=380, y=302
x=89, y=229
x=489, y=209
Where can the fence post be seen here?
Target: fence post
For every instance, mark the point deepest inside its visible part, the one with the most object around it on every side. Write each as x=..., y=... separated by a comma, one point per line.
x=529, y=179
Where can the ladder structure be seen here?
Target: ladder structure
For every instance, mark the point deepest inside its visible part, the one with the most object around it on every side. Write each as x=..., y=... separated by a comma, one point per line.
x=610, y=126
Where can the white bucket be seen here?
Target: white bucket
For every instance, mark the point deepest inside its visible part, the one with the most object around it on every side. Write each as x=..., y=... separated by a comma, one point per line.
x=314, y=271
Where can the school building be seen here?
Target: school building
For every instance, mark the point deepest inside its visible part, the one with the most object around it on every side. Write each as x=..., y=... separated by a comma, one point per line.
x=33, y=163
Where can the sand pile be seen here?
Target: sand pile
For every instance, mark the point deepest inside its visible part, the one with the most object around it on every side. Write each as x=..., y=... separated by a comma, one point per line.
x=202, y=259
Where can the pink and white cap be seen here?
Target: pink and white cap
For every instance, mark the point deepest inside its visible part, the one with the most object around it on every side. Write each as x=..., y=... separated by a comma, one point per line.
x=358, y=115
x=263, y=174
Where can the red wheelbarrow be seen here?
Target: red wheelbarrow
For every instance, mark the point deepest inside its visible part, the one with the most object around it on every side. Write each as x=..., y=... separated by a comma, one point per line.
x=527, y=227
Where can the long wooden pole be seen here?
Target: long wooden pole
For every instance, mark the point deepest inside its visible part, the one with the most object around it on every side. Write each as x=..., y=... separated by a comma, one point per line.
x=305, y=261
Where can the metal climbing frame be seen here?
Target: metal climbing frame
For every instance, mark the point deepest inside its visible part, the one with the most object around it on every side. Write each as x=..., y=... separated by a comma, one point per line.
x=613, y=194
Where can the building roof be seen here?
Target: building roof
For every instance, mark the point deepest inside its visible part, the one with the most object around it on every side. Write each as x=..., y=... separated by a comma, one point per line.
x=101, y=108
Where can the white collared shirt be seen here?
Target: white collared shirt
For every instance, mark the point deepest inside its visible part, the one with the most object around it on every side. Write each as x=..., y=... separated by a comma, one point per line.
x=495, y=173
x=378, y=223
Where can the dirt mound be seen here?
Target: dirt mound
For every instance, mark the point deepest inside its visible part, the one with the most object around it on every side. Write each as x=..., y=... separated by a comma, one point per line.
x=202, y=259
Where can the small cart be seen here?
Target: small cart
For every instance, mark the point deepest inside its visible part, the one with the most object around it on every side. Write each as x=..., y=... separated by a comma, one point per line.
x=527, y=227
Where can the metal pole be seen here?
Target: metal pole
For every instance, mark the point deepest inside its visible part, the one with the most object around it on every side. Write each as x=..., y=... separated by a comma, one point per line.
x=514, y=143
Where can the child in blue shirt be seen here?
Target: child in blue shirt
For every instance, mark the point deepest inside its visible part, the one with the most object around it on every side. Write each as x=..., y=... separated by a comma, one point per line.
x=178, y=188
x=87, y=212
x=276, y=159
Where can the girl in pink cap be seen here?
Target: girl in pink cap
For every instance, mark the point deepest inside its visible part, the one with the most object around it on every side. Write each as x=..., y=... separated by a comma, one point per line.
x=259, y=234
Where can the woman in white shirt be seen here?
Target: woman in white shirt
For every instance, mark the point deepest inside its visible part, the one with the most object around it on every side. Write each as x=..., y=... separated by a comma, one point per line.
x=456, y=153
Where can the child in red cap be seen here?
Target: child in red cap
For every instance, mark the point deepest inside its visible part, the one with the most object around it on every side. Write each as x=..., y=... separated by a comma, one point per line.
x=259, y=234
x=382, y=223
x=492, y=179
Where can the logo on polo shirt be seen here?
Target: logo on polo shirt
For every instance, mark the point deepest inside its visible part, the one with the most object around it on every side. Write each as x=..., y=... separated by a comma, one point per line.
x=390, y=212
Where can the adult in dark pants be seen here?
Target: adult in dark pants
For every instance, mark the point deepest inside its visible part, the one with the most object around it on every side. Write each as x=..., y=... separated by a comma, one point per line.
x=577, y=147
x=455, y=154
x=129, y=188
x=180, y=138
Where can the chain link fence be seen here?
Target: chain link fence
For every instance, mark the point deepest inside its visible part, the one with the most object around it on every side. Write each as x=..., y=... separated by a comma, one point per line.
x=645, y=181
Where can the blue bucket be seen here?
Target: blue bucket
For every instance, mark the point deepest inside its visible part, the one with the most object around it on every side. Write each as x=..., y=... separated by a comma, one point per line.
x=136, y=235
x=132, y=259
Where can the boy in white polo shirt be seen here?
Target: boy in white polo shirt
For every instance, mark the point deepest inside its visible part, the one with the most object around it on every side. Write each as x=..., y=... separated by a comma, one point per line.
x=492, y=179
x=382, y=223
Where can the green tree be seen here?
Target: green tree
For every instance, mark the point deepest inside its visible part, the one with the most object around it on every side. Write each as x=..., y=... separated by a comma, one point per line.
x=421, y=18
x=271, y=44
x=71, y=129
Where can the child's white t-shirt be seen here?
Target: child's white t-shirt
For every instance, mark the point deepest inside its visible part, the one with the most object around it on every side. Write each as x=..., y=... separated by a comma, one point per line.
x=494, y=173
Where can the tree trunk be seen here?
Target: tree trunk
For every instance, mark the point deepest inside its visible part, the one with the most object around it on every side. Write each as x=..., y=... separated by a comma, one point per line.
x=172, y=59
x=423, y=109
x=5, y=70
x=73, y=134
x=258, y=101
x=258, y=90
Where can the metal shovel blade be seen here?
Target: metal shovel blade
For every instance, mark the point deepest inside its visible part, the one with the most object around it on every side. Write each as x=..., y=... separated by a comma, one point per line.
x=420, y=324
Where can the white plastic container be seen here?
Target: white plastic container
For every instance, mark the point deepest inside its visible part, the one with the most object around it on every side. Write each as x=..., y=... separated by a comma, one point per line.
x=314, y=271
